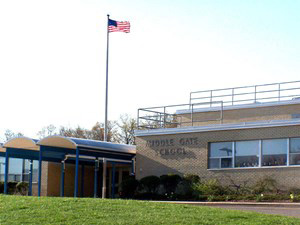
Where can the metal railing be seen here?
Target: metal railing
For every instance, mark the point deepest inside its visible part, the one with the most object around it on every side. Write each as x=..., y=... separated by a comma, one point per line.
x=249, y=94
x=170, y=116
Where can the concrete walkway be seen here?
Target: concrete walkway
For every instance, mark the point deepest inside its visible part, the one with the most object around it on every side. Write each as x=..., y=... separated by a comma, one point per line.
x=285, y=209
x=277, y=210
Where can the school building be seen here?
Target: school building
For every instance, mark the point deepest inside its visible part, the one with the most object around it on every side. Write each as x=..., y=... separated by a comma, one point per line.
x=236, y=135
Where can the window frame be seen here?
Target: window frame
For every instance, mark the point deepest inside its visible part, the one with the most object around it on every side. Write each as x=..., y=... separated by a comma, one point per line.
x=260, y=156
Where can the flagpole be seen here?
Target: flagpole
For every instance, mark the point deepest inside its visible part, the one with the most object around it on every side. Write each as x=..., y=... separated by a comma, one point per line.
x=106, y=92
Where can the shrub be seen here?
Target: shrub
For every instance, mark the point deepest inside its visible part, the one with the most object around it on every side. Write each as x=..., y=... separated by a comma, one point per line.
x=22, y=188
x=184, y=188
x=191, y=178
x=210, y=187
x=295, y=191
x=150, y=183
x=265, y=185
x=11, y=187
x=129, y=187
x=1, y=187
x=170, y=182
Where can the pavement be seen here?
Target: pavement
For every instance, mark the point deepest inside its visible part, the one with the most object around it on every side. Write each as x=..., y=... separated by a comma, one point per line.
x=277, y=210
x=284, y=209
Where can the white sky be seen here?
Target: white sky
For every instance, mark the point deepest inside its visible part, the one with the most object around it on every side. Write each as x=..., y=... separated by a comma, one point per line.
x=53, y=55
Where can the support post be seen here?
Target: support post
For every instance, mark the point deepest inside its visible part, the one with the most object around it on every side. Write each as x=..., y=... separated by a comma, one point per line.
x=30, y=177
x=104, y=179
x=62, y=179
x=82, y=181
x=76, y=173
x=96, y=179
x=113, y=180
x=40, y=171
x=6, y=171
x=133, y=166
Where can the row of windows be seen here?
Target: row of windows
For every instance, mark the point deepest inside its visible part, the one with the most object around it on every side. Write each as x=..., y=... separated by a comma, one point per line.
x=18, y=169
x=256, y=153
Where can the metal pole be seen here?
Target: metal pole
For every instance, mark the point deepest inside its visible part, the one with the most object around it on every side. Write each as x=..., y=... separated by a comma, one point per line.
x=104, y=179
x=6, y=171
x=133, y=166
x=279, y=92
x=76, y=173
x=164, y=117
x=211, y=96
x=232, y=99
x=30, y=177
x=192, y=112
x=96, y=179
x=40, y=172
x=255, y=94
x=113, y=180
x=82, y=181
x=62, y=179
x=138, y=119
x=106, y=92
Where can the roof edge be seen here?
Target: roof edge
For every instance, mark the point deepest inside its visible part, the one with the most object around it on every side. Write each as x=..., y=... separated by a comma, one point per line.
x=218, y=127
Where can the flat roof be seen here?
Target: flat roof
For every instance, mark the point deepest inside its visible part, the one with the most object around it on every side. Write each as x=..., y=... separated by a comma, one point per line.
x=242, y=106
x=218, y=127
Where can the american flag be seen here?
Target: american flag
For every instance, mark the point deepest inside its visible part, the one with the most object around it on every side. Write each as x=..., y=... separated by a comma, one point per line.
x=115, y=26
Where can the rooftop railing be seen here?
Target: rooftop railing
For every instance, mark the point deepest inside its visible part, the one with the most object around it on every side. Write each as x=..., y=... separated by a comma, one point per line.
x=168, y=116
x=263, y=93
x=184, y=114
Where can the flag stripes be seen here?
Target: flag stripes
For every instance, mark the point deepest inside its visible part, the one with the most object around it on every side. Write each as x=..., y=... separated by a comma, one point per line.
x=115, y=26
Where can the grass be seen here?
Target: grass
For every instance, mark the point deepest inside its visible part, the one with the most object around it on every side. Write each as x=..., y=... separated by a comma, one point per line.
x=47, y=210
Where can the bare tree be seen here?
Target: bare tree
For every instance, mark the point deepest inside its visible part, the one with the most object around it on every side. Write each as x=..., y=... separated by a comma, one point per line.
x=47, y=131
x=96, y=133
x=127, y=125
x=10, y=135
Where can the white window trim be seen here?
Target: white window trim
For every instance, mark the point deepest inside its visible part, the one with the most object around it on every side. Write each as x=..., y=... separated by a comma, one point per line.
x=260, y=166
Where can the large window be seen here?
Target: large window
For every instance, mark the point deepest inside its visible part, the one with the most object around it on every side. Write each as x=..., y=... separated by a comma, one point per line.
x=274, y=152
x=221, y=155
x=247, y=154
x=295, y=151
x=255, y=153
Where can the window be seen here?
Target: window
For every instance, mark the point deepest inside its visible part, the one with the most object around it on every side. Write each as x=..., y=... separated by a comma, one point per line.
x=15, y=169
x=254, y=153
x=18, y=170
x=2, y=163
x=274, y=152
x=295, y=151
x=220, y=155
x=246, y=154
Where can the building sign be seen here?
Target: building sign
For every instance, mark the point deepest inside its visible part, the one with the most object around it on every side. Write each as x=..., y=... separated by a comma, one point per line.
x=169, y=147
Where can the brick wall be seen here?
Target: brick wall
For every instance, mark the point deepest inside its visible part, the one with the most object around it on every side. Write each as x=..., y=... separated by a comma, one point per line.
x=278, y=112
x=193, y=158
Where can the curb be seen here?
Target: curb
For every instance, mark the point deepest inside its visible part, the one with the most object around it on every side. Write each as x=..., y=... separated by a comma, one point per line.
x=261, y=204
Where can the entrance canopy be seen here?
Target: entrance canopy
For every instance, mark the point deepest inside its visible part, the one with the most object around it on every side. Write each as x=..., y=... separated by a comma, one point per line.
x=67, y=150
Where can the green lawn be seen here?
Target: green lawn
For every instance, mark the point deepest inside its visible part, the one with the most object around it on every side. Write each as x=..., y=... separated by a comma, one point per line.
x=46, y=210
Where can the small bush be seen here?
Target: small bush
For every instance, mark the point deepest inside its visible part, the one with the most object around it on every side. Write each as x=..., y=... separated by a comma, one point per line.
x=22, y=188
x=150, y=183
x=129, y=187
x=184, y=188
x=1, y=187
x=295, y=191
x=170, y=182
x=11, y=187
x=265, y=185
x=210, y=188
